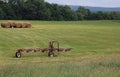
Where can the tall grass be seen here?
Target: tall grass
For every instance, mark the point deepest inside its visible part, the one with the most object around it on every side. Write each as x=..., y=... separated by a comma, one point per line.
x=93, y=68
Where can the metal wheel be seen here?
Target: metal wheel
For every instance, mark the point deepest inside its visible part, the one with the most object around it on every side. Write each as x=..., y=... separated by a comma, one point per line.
x=18, y=54
x=50, y=54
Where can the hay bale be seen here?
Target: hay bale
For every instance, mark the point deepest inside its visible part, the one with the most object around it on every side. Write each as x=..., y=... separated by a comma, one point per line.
x=23, y=24
x=11, y=24
x=18, y=25
x=15, y=25
x=26, y=25
x=5, y=25
x=29, y=25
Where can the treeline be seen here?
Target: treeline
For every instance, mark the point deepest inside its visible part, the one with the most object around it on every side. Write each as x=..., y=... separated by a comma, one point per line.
x=41, y=10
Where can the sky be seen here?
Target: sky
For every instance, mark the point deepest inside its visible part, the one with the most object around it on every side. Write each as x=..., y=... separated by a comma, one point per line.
x=96, y=3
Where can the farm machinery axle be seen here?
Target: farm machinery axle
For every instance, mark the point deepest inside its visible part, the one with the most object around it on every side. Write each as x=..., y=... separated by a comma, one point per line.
x=51, y=49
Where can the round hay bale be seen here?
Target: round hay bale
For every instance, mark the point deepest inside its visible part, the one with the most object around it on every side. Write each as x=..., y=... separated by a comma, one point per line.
x=6, y=25
x=11, y=24
x=18, y=25
x=3, y=25
x=29, y=25
x=23, y=24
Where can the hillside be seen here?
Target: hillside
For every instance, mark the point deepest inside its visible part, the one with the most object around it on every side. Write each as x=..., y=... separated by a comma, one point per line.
x=95, y=9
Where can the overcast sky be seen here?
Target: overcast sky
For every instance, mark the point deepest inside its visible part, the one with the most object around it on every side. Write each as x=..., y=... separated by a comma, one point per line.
x=99, y=3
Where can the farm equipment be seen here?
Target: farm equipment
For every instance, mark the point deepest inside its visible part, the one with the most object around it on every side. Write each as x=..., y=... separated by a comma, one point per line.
x=51, y=49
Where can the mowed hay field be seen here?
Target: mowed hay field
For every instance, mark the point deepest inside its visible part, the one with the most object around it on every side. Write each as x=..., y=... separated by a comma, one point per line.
x=95, y=53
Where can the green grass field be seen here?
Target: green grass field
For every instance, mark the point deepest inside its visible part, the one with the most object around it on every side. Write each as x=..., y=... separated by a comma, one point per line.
x=96, y=49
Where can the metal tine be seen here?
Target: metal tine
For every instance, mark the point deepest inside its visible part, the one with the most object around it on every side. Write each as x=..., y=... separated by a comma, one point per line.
x=29, y=50
x=60, y=49
x=44, y=49
x=67, y=49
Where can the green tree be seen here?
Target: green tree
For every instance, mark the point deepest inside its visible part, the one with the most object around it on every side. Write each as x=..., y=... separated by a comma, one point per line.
x=1, y=14
x=56, y=12
x=8, y=11
x=34, y=9
x=68, y=14
x=115, y=15
x=80, y=16
x=83, y=13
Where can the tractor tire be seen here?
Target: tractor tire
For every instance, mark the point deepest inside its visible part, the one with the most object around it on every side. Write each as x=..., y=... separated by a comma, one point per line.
x=18, y=54
x=50, y=54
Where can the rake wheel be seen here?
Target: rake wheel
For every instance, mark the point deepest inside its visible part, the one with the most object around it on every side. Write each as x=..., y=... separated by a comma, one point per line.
x=18, y=54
